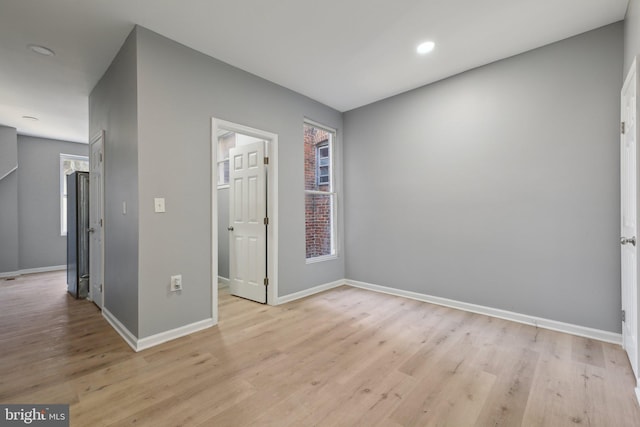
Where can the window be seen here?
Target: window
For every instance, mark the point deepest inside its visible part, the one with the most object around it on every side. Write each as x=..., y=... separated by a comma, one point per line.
x=68, y=164
x=226, y=142
x=320, y=195
x=323, y=163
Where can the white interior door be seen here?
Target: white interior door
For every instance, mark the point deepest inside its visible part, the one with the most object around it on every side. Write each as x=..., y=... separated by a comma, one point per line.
x=247, y=213
x=96, y=221
x=628, y=222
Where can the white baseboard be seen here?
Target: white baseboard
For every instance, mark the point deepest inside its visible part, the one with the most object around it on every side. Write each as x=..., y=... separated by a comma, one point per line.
x=223, y=282
x=310, y=291
x=9, y=274
x=539, y=322
x=638, y=394
x=43, y=269
x=153, y=340
x=597, y=334
x=162, y=337
x=122, y=330
x=32, y=271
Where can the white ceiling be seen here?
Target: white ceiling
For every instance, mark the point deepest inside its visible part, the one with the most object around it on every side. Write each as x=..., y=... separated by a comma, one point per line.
x=343, y=53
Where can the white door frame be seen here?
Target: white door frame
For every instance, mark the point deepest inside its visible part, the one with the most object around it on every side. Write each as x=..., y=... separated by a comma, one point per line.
x=272, y=207
x=98, y=138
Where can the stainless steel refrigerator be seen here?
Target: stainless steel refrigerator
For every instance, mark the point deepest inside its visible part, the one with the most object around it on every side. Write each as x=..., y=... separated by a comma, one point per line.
x=78, y=234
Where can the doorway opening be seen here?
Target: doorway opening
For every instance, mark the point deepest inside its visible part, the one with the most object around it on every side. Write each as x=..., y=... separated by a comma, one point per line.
x=244, y=212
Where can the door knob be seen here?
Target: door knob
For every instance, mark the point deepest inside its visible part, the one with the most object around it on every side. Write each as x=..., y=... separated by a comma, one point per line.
x=625, y=240
x=230, y=228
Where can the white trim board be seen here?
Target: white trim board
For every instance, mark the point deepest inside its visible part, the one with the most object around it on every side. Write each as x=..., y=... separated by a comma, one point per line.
x=122, y=330
x=539, y=322
x=33, y=271
x=162, y=337
x=311, y=291
x=568, y=328
x=153, y=340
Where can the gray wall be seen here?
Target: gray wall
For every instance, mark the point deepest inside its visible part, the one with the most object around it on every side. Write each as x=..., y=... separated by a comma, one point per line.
x=631, y=34
x=113, y=107
x=30, y=201
x=41, y=244
x=156, y=102
x=498, y=186
x=179, y=90
x=9, y=245
x=223, y=233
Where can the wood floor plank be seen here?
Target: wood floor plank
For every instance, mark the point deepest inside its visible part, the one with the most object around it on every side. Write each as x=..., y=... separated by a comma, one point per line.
x=588, y=351
x=61, y=393
x=462, y=399
x=507, y=401
x=418, y=406
x=393, y=391
x=344, y=357
x=182, y=409
x=365, y=400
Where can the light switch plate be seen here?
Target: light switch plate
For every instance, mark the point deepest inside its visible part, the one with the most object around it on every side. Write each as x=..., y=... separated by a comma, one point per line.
x=176, y=283
x=158, y=202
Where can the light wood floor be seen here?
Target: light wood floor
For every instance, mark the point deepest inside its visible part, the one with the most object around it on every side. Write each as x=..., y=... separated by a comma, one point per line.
x=346, y=357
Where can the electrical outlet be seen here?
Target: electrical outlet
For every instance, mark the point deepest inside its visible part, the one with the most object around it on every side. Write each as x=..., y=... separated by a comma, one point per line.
x=176, y=283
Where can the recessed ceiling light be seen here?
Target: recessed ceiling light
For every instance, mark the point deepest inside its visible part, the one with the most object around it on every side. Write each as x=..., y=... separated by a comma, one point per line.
x=42, y=50
x=33, y=119
x=425, y=47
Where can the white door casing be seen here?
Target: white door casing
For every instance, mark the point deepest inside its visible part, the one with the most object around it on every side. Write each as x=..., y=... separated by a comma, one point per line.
x=628, y=220
x=96, y=220
x=247, y=212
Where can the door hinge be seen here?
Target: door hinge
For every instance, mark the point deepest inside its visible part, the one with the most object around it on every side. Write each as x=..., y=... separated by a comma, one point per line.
x=100, y=222
x=266, y=221
x=624, y=315
x=266, y=281
x=622, y=128
x=266, y=160
x=100, y=157
x=100, y=287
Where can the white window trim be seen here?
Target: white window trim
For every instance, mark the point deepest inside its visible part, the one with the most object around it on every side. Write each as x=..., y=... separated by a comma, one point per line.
x=63, y=197
x=333, y=193
x=321, y=258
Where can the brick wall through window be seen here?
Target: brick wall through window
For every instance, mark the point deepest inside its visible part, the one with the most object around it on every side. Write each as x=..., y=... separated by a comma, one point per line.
x=318, y=207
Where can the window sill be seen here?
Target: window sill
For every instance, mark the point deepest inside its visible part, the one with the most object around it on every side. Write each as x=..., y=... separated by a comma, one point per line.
x=321, y=259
